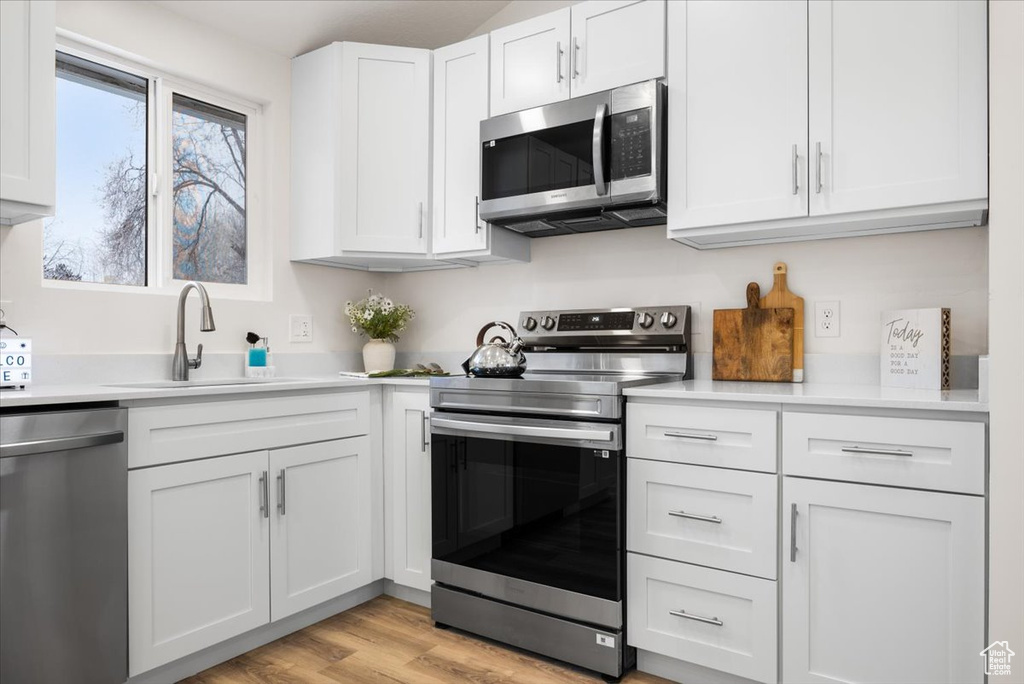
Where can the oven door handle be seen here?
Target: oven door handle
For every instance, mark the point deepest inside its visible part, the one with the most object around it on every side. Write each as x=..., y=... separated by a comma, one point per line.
x=593, y=435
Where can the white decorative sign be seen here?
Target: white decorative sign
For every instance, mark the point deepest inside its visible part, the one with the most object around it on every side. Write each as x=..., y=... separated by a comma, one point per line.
x=15, y=361
x=916, y=348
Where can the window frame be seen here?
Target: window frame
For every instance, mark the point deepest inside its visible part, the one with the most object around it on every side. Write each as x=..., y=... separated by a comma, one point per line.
x=163, y=84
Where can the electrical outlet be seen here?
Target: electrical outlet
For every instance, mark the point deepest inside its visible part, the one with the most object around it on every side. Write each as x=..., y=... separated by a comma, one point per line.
x=826, y=319
x=300, y=328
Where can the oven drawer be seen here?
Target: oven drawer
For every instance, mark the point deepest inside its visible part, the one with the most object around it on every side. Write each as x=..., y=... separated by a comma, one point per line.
x=717, y=619
x=942, y=455
x=727, y=438
x=709, y=516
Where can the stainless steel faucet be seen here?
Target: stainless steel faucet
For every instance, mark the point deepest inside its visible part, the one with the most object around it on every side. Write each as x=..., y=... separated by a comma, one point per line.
x=182, y=364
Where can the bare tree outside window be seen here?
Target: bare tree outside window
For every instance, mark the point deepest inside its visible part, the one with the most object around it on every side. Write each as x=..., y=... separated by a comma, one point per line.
x=209, y=239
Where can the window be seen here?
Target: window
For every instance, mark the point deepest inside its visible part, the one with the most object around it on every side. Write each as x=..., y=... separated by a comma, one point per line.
x=209, y=192
x=99, y=232
x=155, y=182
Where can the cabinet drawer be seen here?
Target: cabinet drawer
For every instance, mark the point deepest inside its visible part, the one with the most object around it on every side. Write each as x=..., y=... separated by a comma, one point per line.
x=185, y=432
x=727, y=438
x=709, y=617
x=709, y=516
x=924, y=454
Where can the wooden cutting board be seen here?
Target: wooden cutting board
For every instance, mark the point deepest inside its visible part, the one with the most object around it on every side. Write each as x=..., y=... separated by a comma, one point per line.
x=781, y=297
x=753, y=344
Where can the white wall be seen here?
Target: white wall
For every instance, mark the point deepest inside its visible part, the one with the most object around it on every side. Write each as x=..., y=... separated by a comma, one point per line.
x=75, y=322
x=520, y=10
x=1006, y=244
x=641, y=267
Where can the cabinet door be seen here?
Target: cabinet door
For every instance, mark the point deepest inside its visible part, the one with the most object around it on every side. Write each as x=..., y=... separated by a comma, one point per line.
x=410, y=541
x=738, y=111
x=885, y=585
x=198, y=556
x=615, y=44
x=321, y=504
x=27, y=109
x=384, y=157
x=460, y=104
x=530, y=63
x=897, y=103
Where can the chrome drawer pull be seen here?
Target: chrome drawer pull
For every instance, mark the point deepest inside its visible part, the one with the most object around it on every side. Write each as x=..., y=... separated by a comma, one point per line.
x=693, y=516
x=792, y=533
x=877, y=452
x=692, y=435
x=699, y=618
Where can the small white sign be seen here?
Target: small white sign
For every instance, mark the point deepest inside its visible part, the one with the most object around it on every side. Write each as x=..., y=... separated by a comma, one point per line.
x=606, y=640
x=15, y=361
x=916, y=348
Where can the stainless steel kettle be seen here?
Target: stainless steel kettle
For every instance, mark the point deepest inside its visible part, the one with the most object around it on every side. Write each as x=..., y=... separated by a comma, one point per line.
x=498, y=358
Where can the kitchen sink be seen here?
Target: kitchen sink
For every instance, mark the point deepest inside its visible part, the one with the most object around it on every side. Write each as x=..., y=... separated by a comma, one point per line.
x=220, y=382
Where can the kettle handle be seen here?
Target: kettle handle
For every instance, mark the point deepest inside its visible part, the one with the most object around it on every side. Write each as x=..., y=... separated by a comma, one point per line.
x=501, y=324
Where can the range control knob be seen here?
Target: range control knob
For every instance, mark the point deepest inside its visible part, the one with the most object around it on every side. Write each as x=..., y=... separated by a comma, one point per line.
x=668, y=319
x=645, y=320
x=547, y=323
x=530, y=323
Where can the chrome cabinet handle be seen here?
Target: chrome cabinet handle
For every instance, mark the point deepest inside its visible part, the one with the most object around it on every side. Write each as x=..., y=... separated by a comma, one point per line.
x=796, y=180
x=792, y=533
x=575, y=57
x=420, y=214
x=264, y=507
x=600, y=183
x=558, y=61
x=423, y=431
x=698, y=618
x=877, y=452
x=693, y=516
x=280, y=492
x=477, y=214
x=692, y=435
x=817, y=152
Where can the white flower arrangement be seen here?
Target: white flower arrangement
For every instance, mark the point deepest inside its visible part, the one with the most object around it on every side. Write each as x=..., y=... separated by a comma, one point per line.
x=378, y=317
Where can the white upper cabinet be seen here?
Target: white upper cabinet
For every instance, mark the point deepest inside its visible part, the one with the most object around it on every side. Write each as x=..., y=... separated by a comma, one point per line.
x=737, y=111
x=27, y=110
x=583, y=49
x=794, y=120
x=460, y=104
x=530, y=63
x=616, y=43
x=881, y=584
x=321, y=505
x=897, y=104
x=361, y=157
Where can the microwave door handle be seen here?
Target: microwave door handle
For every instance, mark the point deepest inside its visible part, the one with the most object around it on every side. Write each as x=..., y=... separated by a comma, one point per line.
x=600, y=182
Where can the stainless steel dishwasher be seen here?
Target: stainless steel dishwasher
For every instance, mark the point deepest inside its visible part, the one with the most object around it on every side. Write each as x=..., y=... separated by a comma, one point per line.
x=64, y=547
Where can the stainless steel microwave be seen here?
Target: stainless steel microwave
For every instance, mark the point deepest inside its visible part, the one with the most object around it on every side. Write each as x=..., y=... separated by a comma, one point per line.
x=590, y=163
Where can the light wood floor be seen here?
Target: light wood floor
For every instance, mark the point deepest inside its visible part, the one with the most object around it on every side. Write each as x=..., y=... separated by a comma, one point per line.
x=385, y=641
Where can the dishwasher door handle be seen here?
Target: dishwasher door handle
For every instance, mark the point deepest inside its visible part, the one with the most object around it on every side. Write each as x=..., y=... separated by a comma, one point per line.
x=42, y=446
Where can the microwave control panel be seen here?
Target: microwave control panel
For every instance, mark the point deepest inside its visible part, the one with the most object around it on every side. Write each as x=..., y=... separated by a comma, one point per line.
x=631, y=144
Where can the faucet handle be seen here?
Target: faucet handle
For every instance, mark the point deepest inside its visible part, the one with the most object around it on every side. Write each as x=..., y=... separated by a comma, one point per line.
x=198, y=361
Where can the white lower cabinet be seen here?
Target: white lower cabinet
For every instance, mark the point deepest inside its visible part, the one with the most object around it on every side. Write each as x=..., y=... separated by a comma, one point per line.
x=198, y=556
x=408, y=432
x=223, y=544
x=321, y=505
x=882, y=584
x=716, y=619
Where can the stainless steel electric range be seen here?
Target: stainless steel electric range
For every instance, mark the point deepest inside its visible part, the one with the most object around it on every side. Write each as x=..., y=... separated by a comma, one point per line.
x=528, y=483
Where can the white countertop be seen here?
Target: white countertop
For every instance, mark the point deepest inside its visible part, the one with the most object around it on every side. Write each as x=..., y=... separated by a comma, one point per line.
x=869, y=396
x=37, y=395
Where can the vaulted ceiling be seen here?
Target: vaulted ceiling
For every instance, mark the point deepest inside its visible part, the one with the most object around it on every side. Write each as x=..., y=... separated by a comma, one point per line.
x=292, y=27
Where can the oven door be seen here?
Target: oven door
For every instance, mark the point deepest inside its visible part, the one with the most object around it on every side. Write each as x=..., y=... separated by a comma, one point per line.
x=530, y=511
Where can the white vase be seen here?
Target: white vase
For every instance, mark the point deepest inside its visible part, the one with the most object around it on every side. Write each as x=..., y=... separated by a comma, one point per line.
x=378, y=355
